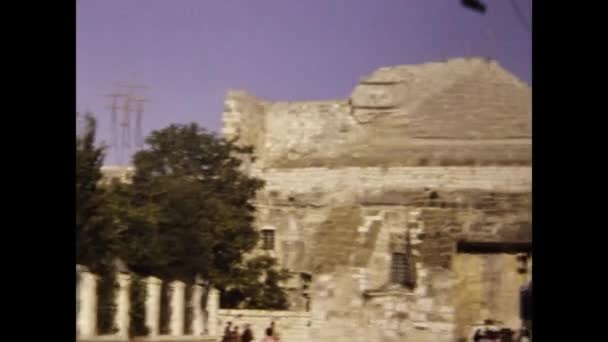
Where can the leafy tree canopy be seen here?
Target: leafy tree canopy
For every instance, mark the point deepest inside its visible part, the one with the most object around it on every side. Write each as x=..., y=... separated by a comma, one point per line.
x=257, y=286
x=201, y=199
x=93, y=234
x=187, y=212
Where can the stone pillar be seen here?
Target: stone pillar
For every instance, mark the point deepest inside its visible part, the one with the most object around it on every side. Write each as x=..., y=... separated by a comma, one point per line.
x=197, y=310
x=121, y=319
x=176, y=327
x=86, y=319
x=213, y=306
x=77, y=296
x=153, y=305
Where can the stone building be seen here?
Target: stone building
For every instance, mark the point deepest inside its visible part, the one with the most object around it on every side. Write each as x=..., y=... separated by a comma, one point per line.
x=401, y=209
x=111, y=173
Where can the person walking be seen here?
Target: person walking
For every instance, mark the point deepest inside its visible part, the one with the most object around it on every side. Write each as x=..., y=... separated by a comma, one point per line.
x=236, y=336
x=227, y=332
x=268, y=337
x=247, y=334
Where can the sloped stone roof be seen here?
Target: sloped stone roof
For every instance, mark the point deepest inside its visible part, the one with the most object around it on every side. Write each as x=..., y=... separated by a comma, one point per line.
x=464, y=111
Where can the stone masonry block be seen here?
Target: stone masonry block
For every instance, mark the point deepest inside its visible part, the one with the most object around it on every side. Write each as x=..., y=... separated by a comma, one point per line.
x=425, y=304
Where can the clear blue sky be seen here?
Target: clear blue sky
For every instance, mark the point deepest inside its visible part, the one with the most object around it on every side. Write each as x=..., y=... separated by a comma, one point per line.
x=189, y=52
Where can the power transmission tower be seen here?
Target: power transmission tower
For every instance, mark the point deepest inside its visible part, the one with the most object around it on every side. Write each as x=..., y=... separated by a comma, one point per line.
x=115, y=96
x=139, y=110
x=125, y=124
x=131, y=86
x=521, y=16
x=129, y=98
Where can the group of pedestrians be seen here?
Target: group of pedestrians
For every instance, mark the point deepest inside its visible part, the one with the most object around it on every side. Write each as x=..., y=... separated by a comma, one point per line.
x=232, y=334
x=492, y=333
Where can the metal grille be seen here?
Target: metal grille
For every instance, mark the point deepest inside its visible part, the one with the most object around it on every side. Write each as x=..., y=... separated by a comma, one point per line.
x=268, y=239
x=399, y=268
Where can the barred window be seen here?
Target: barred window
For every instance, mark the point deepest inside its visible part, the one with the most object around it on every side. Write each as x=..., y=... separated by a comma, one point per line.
x=267, y=239
x=398, y=268
x=402, y=270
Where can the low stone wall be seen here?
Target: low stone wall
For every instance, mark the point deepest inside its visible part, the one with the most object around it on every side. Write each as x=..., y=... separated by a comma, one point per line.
x=292, y=326
x=361, y=180
x=154, y=339
x=87, y=301
x=400, y=316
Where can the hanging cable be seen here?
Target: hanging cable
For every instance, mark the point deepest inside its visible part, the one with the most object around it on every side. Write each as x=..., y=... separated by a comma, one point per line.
x=474, y=5
x=521, y=16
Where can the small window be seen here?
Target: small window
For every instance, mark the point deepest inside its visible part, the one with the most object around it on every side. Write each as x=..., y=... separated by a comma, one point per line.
x=400, y=270
x=268, y=239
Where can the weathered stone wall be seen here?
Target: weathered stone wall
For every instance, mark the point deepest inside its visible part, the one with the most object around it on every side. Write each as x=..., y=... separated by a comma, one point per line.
x=244, y=117
x=304, y=130
x=347, y=248
x=487, y=285
x=365, y=181
x=431, y=154
x=459, y=99
x=119, y=173
x=293, y=326
x=461, y=112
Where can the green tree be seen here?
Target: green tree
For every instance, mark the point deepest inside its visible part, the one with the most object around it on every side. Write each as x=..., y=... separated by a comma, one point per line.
x=203, y=212
x=187, y=212
x=93, y=234
x=205, y=215
x=257, y=286
x=134, y=228
x=96, y=240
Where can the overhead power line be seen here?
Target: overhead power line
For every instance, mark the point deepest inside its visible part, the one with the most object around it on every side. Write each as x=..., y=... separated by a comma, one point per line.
x=520, y=16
